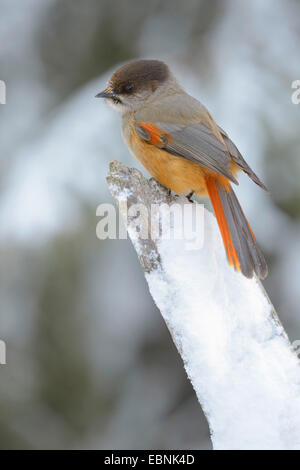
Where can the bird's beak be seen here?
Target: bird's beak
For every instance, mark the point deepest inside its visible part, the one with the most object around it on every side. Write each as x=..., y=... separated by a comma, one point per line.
x=104, y=94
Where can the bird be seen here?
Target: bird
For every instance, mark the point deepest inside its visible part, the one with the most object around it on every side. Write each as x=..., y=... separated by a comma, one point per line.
x=179, y=143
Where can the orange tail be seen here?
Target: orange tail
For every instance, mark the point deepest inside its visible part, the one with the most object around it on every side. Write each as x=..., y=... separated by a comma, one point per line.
x=241, y=248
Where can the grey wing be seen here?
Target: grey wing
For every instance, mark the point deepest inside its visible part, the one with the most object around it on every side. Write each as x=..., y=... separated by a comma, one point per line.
x=196, y=143
x=239, y=160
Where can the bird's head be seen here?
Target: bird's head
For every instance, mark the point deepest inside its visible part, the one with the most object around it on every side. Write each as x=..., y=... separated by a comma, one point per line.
x=135, y=84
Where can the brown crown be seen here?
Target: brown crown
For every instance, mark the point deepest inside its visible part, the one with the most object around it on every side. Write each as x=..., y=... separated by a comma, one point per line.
x=137, y=74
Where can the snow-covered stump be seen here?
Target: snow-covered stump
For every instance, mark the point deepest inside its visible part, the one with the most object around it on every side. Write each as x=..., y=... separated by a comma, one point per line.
x=235, y=351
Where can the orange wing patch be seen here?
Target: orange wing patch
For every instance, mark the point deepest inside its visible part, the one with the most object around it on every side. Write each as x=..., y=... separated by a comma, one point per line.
x=153, y=134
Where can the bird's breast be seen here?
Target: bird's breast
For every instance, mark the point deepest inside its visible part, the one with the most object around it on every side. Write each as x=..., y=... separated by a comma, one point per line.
x=173, y=172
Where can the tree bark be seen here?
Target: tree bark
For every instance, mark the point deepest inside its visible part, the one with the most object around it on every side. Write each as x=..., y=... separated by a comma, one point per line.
x=234, y=348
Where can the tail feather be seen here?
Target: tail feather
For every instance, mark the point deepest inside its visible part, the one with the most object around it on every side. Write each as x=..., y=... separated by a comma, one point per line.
x=241, y=248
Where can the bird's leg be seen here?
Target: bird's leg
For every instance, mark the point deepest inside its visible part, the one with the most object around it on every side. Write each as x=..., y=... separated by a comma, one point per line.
x=176, y=196
x=189, y=196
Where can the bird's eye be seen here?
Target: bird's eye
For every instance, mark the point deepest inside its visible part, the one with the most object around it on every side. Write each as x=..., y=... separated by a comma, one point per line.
x=128, y=88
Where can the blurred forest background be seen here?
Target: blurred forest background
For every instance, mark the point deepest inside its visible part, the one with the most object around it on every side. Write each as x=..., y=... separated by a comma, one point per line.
x=90, y=361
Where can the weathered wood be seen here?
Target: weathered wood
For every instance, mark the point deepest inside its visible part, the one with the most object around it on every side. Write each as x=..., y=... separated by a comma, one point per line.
x=252, y=351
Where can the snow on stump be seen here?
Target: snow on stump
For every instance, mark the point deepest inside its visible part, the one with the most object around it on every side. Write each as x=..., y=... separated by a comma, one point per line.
x=235, y=352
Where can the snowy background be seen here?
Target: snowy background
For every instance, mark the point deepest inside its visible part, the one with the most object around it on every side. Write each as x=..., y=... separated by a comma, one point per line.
x=90, y=361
